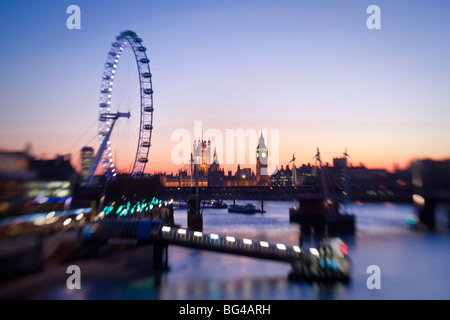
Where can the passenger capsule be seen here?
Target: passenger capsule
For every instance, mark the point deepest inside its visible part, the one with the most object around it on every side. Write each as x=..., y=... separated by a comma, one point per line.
x=105, y=90
x=147, y=75
x=148, y=127
x=148, y=91
x=148, y=109
x=144, y=60
x=143, y=160
x=109, y=65
x=103, y=105
x=138, y=40
x=128, y=33
x=145, y=144
x=141, y=49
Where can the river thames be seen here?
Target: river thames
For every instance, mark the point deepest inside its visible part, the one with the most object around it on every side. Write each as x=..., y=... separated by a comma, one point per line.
x=414, y=264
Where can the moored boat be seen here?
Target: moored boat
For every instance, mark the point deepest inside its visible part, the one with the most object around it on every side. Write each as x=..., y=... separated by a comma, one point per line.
x=247, y=208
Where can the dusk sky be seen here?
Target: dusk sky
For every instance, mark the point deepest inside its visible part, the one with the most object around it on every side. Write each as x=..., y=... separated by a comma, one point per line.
x=311, y=69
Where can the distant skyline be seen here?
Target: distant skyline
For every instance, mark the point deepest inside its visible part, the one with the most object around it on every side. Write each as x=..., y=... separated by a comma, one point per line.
x=312, y=70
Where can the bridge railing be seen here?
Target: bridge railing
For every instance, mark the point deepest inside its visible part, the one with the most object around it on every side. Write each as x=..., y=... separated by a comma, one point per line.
x=233, y=245
x=325, y=262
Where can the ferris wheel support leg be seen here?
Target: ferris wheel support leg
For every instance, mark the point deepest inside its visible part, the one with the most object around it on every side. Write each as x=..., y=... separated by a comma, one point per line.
x=90, y=174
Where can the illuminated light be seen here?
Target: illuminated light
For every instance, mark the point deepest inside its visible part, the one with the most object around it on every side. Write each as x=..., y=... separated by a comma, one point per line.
x=151, y=206
x=65, y=185
x=41, y=200
x=314, y=251
x=39, y=221
x=198, y=234
x=344, y=248
x=67, y=221
x=165, y=229
x=230, y=239
x=418, y=199
x=79, y=217
x=181, y=231
x=214, y=236
x=297, y=249
x=171, y=201
x=247, y=241
x=102, y=214
x=264, y=244
x=159, y=205
x=51, y=220
x=412, y=220
x=50, y=215
x=281, y=246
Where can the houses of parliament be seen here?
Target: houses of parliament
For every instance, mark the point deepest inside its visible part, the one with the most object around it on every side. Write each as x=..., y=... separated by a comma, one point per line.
x=205, y=168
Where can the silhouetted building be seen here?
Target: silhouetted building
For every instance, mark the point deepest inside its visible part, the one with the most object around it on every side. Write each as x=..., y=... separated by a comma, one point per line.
x=87, y=155
x=15, y=164
x=282, y=177
x=29, y=185
x=216, y=176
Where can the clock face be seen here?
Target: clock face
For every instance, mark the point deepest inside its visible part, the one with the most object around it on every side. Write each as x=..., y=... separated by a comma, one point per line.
x=263, y=154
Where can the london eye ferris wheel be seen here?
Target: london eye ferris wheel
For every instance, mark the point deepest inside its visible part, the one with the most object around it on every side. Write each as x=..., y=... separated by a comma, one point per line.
x=126, y=92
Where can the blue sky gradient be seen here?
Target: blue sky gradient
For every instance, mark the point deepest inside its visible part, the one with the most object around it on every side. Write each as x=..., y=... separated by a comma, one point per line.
x=311, y=69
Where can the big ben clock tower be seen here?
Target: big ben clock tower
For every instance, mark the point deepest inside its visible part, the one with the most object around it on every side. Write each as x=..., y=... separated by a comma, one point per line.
x=262, y=154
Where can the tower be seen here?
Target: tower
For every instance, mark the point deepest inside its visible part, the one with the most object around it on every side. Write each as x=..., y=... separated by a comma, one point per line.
x=215, y=174
x=202, y=156
x=87, y=155
x=262, y=155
